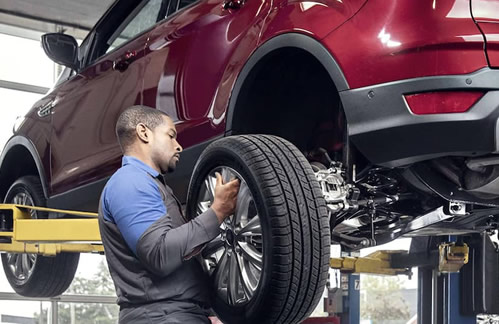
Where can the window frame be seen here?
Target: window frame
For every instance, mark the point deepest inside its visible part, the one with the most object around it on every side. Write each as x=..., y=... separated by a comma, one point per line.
x=110, y=22
x=177, y=5
x=128, y=20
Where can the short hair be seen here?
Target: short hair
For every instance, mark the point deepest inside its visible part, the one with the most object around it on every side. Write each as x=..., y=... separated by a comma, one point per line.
x=131, y=117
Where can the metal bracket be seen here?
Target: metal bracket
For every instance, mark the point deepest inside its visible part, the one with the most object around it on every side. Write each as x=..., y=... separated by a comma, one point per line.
x=452, y=257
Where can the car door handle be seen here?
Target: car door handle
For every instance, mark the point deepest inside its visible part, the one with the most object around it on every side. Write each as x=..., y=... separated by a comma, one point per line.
x=45, y=109
x=233, y=4
x=123, y=62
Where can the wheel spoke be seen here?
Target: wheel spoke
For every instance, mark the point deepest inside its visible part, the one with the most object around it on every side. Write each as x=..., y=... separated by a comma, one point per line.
x=221, y=271
x=249, y=287
x=242, y=206
x=26, y=264
x=252, y=228
x=18, y=267
x=210, y=183
x=233, y=282
x=251, y=255
x=203, y=206
x=25, y=199
x=212, y=247
x=226, y=175
x=11, y=258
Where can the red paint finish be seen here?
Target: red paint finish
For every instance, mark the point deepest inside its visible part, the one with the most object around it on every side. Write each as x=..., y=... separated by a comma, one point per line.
x=486, y=14
x=194, y=58
x=38, y=129
x=314, y=18
x=443, y=102
x=188, y=64
x=394, y=40
x=83, y=143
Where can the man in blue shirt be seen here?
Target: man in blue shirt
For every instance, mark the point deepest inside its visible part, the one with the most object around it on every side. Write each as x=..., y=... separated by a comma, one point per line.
x=150, y=246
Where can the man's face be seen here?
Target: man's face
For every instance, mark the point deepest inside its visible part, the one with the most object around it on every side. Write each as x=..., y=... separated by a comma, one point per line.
x=165, y=150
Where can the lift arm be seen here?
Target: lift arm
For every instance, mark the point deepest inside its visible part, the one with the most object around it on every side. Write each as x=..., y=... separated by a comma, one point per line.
x=449, y=258
x=79, y=232
x=20, y=233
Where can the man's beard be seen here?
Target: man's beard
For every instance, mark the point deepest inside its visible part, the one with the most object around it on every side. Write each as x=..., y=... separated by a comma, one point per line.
x=169, y=168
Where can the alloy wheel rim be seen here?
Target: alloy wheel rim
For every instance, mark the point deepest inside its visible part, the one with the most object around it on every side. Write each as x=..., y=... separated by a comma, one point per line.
x=234, y=259
x=21, y=265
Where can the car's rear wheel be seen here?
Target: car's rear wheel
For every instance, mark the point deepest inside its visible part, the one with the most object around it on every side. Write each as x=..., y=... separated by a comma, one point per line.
x=270, y=262
x=30, y=274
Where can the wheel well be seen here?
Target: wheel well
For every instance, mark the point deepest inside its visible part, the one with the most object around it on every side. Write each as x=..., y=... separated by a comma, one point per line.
x=17, y=162
x=290, y=94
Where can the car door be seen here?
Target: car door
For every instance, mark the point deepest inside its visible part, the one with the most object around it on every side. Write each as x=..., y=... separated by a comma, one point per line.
x=194, y=56
x=84, y=148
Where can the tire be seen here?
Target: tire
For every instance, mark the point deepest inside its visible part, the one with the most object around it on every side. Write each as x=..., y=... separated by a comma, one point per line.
x=293, y=237
x=42, y=276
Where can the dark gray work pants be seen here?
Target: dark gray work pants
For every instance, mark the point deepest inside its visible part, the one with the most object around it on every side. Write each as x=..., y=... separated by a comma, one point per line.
x=165, y=313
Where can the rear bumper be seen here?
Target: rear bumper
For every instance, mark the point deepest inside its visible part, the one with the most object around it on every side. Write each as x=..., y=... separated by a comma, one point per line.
x=383, y=128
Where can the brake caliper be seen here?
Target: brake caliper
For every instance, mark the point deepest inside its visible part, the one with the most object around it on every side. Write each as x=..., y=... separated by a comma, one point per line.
x=334, y=188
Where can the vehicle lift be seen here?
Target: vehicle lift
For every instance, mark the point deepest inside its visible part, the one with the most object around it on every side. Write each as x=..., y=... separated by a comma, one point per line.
x=439, y=297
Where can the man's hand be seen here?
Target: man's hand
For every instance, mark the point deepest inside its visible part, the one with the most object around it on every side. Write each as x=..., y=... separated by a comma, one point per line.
x=225, y=200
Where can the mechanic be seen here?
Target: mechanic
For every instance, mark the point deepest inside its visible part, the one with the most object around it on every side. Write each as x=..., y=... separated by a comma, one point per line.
x=152, y=250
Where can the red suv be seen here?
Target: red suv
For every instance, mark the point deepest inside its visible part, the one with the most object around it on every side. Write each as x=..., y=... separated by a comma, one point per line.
x=380, y=120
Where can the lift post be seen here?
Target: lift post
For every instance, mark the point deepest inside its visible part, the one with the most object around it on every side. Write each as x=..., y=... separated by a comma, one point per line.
x=20, y=233
x=438, y=295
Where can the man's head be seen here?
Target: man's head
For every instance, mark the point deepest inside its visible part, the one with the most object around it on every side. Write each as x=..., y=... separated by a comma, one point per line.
x=150, y=135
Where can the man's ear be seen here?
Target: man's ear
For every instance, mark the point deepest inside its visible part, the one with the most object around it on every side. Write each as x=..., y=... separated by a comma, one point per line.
x=143, y=132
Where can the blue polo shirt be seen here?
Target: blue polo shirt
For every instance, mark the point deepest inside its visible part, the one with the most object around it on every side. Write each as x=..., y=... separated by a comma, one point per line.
x=132, y=200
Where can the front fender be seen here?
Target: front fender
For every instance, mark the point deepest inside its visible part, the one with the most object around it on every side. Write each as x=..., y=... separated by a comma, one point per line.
x=14, y=162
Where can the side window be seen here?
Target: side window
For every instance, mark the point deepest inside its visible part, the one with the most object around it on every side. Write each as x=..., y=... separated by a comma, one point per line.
x=184, y=3
x=142, y=18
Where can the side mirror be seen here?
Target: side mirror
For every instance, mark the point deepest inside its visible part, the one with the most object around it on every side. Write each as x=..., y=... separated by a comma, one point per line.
x=61, y=48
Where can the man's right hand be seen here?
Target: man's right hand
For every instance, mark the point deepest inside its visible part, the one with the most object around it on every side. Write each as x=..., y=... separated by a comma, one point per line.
x=225, y=200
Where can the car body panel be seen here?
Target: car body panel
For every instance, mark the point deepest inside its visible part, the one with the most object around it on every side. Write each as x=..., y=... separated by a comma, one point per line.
x=38, y=130
x=32, y=132
x=202, y=40
x=314, y=18
x=21, y=151
x=94, y=99
x=385, y=130
x=192, y=65
x=395, y=40
x=486, y=15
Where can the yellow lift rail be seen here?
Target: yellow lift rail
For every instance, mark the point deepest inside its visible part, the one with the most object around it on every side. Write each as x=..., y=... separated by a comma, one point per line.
x=20, y=233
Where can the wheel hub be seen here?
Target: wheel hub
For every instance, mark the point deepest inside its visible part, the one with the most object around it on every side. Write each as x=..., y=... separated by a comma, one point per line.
x=230, y=238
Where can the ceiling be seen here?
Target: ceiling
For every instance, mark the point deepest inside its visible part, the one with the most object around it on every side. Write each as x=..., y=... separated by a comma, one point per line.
x=74, y=16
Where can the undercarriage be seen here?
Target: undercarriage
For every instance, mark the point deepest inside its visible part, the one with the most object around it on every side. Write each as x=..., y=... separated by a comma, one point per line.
x=377, y=205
